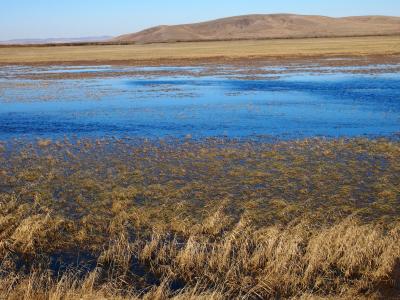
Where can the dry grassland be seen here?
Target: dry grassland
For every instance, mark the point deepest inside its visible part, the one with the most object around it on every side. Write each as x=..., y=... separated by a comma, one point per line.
x=201, y=51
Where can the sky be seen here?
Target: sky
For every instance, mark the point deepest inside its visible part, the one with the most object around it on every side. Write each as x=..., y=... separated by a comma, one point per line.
x=82, y=18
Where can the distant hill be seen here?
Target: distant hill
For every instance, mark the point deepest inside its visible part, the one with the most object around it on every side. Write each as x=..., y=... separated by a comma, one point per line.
x=268, y=26
x=56, y=40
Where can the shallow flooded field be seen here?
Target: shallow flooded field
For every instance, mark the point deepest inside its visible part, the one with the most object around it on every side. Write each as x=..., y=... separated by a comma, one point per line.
x=284, y=102
x=209, y=219
x=200, y=182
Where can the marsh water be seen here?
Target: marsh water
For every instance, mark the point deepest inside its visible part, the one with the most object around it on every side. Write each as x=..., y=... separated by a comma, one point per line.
x=156, y=102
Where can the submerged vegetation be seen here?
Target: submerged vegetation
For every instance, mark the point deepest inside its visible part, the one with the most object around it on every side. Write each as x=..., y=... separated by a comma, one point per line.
x=208, y=219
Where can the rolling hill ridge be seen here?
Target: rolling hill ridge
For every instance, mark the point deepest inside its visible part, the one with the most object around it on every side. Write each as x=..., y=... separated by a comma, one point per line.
x=266, y=27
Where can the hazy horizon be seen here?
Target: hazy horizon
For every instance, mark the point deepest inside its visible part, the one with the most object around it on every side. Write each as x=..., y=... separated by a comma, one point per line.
x=45, y=19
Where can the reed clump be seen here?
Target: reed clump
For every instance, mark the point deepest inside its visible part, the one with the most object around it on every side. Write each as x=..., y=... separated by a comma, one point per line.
x=209, y=219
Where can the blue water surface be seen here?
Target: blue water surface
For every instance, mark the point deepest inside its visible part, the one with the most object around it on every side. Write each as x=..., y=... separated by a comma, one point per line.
x=290, y=106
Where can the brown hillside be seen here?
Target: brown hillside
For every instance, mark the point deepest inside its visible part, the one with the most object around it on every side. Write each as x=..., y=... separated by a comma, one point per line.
x=268, y=26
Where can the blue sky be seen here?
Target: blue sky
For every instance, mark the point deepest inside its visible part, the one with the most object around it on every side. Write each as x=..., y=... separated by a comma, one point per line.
x=75, y=18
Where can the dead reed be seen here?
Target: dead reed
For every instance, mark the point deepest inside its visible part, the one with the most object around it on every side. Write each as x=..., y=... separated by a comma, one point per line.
x=211, y=219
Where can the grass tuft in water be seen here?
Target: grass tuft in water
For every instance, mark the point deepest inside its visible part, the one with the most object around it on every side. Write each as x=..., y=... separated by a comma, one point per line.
x=209, y=219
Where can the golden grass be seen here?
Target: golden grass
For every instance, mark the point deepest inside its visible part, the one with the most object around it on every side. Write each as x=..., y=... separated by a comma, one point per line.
x=383, y=45
x=213, y=219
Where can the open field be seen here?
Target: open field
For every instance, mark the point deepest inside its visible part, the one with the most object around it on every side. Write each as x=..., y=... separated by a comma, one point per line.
x=184, y=53
x=211, y=219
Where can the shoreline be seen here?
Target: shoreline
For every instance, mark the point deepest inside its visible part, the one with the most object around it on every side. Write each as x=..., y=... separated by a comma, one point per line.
x=246, y=68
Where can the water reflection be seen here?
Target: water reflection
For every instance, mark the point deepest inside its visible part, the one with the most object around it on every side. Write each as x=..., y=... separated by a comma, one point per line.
x=293, y=105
